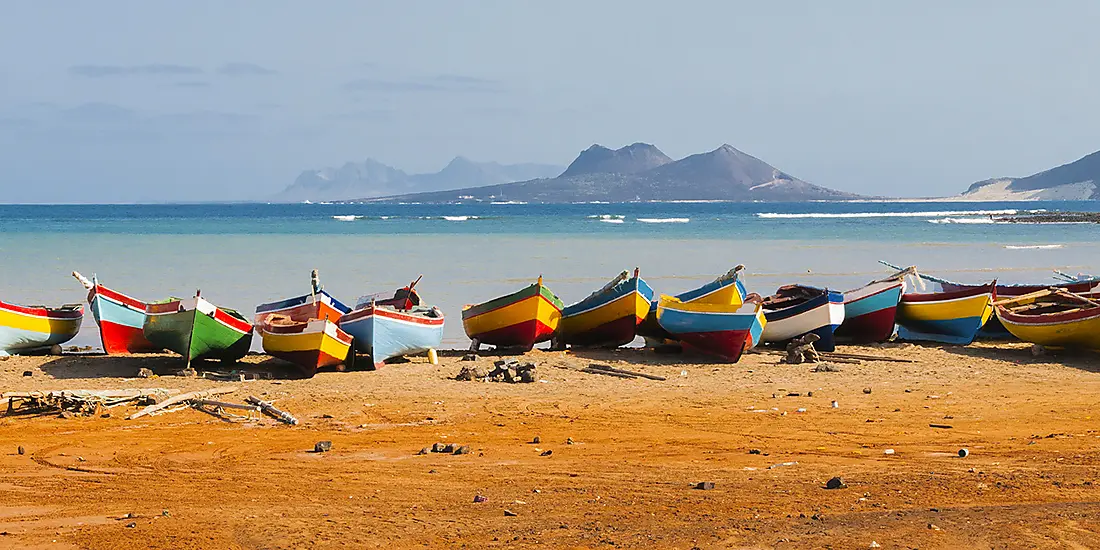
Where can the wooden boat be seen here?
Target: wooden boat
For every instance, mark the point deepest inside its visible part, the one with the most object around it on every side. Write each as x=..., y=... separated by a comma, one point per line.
x=1053, y=318
x=383, y=331
x=949, y=317
x=197, y=329
x=1080, y=284
x=870, y=312
x=403, y=298
x=726, y=290
x=304, y=331
x=30, y=328
x=521, y=319
x=610, y=316
x=797, y=310
x=722, y=330
x=120, y=318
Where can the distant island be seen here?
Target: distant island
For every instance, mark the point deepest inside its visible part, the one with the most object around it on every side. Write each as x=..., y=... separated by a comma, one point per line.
x=1074, y=181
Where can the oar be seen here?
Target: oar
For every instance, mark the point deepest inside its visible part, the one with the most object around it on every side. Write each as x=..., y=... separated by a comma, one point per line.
x=408, y=296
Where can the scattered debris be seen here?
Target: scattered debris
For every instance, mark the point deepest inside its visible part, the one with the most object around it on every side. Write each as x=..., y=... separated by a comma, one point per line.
x=187, y=373
x=633, y=374
x=449, y=448
x=801, y=350
x=83, y=402
x=836, y=405
x=1038, y=350
x=754, y=451
x=705, y=485
x=536, y=440
x=479, y=498
x=933, y=527
x=781, y=464
x=270, y=410
x=469, y=357
x=547, y=452
x=941, y=426
x=867, y=391
x=424, y=451
x=131, y=525
x=505, y=370
x=888, y=452
x=470, y=374
x=836, y=483
x=826, y=367
x=569, y=441
x=21, y=450
x=164, y=513
x=181, y=399
x=145, y=373
x=963, y=453
x=462, y=450
x=322, y=446
x=438, y=447
x=510, y=514
x=28, y=373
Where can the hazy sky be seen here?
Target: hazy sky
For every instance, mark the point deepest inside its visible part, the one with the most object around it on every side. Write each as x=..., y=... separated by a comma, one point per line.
x=205, y=100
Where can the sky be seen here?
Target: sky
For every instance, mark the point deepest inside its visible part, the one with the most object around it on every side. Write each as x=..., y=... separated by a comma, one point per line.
x=149, y=100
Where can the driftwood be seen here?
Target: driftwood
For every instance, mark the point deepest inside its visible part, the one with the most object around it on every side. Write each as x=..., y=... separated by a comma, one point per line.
x=225, y=405
x=269, y=409
x=181, y=398
x=591, y=370
x=609, y=368
x=831, y=355
x=85, y=402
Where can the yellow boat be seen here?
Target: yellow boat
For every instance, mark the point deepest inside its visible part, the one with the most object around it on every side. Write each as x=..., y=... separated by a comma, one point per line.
x=949, y=317
x=521, y=319
x=610, y=316
x=25, y=328
x=1053, y=318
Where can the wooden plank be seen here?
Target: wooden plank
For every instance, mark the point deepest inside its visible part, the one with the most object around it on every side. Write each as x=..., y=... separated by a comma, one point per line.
x=201, y=394
x=624, y=371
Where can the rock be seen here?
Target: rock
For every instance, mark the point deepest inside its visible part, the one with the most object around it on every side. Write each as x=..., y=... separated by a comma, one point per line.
x=65, y=414
x=547, y=452
x=131, y=525
x=835, y=405
x=469, y=357
x=527, y=376
x=826, y=367
x=836, y=483
x=867, y=391
x=470, y=374
x=438, y=447
x=510, y=514
x=55, y=349
x=888, y=452
x=28, y=373
x=536, y=440
x=479, y=498
x=424, y=451
x=705, y=485
x=463, y=450
x=327, y=416
x=875, y=545
x=1038, y=350
x=105, y=415
x=322, y=446
x=569, y=441
x=165, y=513
x=144, y=373
x=187, y=373
x=963, y=453
x=432, y=472
x=754, y=451
x=21, y=450
x=448, y=448
x=934, y=527
x=809, y=394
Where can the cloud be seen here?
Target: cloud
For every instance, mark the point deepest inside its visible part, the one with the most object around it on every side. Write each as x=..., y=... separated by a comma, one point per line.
x=438, y=83
x=245, y=69
x=156, y=69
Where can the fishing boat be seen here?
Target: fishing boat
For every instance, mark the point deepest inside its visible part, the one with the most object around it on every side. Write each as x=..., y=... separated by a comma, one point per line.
x=520, y=320
x=797, y=310
x=384, y=331
x=120, y=318
x=1053, y=318
x=727, y=290
x=403, y=298
x=304, y=331
x=610, y=316
x=1077, y=284
x=950, y=317
x=31, y=328
x=197, y=329
x=870, y=311
x=722, y=330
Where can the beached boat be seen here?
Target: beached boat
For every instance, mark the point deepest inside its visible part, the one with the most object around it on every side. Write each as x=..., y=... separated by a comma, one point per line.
x=950, y=317
x=197, y=329
x=1077, y=284
x=384, y=332
x=521, y=319
x=403, y=298
x=610, y=316
x=797, y=310
x=1053, y=318
x=723, y=330
x=120, y=318
x=304, y=331
x=31, y=328
x=725, y=290
x=870, y=311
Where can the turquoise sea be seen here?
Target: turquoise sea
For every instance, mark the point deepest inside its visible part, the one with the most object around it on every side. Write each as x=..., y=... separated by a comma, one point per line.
x=241, y=255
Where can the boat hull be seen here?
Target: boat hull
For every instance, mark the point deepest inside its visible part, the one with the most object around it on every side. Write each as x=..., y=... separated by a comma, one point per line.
x=723, y=331
x=121, y=320
x=197, y=330
x=946, y=317
x=310, y=345
x=319, y=305
x=727, y=290
x=607, y=319
x=521, y=319
x=30, y=328
x=870, y=313
x=1077, y=329
x=820, y=315
x=384, y=332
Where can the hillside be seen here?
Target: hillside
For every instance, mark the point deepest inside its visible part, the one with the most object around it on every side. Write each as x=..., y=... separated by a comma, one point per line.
x=371, y=178
x=642, y=172
x=1077, y=180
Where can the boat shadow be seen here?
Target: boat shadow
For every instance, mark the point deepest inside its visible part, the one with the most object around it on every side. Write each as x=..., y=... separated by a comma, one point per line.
x=664, y=356
x=127, y=366
x=1085, y=360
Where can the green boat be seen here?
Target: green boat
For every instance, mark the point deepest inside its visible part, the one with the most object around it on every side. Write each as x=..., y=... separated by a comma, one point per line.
x=197, y=329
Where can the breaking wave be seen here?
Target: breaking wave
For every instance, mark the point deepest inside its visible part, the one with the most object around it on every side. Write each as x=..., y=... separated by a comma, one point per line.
x=606, y=217
x=1034, y=246
x=348, y=218
x=664, y=220
x=459, y=218
x=929, y=214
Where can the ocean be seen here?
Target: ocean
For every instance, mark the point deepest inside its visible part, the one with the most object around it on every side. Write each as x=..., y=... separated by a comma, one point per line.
x=241, y=255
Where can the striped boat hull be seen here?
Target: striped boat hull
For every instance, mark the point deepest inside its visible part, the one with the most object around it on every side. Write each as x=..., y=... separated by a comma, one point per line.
x=820, y=315
x=310, y=345
x=384, y=332
x=521, y=319
x=609, y=318
x=870, y=313
x=197, y=329
x=30, y=328
x=727, y=289
x=121, y=320
x=1078, y=329
x=724, y=331
x=947, y=317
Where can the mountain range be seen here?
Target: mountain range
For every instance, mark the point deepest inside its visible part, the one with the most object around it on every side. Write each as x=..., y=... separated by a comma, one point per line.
x=1078, y=180
x=642, y=172
x=371, y=178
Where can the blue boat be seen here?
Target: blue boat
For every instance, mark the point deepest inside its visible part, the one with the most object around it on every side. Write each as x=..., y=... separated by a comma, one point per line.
x=723, y=330
x=384, y=332
x=727, y=289
x=797, y=310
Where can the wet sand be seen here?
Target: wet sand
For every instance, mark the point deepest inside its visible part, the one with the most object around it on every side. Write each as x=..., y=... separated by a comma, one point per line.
x=190, y=480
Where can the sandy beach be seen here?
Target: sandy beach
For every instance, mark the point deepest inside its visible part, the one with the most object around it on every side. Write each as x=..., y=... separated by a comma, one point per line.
x=624, y=456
